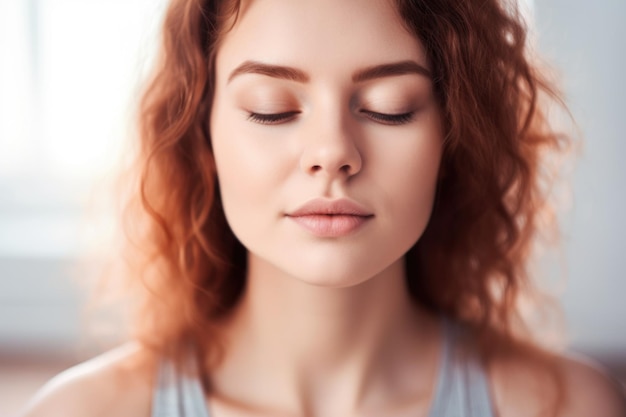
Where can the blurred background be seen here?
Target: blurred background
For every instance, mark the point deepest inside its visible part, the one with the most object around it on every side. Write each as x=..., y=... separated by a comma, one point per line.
x=69, y=72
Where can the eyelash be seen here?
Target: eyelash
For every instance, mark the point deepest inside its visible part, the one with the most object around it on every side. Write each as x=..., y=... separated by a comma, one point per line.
x=386, y=119
x=389, y=119
x=271, y=118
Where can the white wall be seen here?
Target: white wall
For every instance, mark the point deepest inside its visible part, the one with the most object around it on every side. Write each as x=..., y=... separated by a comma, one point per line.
x=587, y=41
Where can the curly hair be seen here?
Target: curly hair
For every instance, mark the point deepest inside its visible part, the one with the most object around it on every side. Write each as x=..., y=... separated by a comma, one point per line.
x=471, y=262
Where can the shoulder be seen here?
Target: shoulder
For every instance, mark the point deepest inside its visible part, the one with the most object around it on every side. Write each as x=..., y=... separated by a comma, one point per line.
x=527, y=383
x=117, y=383
x=590, y=391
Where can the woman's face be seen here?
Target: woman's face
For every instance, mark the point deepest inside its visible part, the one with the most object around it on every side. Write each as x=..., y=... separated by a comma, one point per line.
x=325, y=100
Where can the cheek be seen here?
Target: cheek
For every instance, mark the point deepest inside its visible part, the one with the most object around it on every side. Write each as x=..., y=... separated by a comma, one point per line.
x=245, y=152
x=250, y=170
x=415, y=209
x=421, y=179
x=408, y=180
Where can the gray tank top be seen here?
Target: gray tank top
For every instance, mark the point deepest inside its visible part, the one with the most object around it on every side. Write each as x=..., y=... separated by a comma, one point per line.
x=462, y=387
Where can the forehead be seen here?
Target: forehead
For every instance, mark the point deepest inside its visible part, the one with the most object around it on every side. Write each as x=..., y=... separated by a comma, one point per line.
x=321, y=36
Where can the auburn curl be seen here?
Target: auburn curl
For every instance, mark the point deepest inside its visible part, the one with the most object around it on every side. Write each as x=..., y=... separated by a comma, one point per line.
x=470, y=264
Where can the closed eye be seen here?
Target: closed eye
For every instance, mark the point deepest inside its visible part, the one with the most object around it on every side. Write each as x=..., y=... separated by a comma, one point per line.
x=271, y=118
x=384, y=118
x=389, y=119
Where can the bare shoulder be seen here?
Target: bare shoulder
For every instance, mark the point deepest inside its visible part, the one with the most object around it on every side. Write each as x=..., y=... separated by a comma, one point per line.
x=118, y=382
x=525, y=384
x=590, y=390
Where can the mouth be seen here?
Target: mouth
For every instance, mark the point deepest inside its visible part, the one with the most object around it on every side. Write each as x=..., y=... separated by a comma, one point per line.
x=331, y=218
x=331, y=225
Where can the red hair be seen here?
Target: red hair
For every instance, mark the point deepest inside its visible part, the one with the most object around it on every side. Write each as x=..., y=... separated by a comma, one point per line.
x=470, y=264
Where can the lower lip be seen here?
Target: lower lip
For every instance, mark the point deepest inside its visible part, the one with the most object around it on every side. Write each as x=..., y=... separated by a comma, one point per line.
x=323, y=225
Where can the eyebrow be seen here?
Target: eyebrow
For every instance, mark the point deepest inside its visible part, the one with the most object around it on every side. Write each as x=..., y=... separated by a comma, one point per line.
x=365, y=74
x=390, y=70
x=275, y=71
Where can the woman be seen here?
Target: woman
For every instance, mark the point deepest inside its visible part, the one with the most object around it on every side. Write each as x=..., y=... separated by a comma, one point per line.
x=341, y=200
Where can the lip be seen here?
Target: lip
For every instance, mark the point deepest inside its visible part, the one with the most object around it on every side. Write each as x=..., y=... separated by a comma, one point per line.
x=331, y=218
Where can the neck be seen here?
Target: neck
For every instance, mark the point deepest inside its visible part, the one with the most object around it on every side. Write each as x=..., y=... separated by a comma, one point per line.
x=312, y=342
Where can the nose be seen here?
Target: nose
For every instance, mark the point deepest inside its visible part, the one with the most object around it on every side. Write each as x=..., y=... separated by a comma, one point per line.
x=331, y=150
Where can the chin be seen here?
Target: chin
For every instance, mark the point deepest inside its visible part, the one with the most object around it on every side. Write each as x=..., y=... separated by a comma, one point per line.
x=336, y=273
x=329, y=264
x=332, y=280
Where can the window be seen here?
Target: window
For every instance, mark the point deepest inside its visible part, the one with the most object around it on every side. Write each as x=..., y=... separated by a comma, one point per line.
x=69, y=72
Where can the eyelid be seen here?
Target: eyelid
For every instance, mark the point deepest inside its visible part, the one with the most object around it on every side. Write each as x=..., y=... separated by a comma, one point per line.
x=272, y=118
x=391, y=119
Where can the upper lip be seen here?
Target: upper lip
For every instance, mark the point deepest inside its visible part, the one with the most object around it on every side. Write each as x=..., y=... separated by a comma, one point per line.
x=341, y=206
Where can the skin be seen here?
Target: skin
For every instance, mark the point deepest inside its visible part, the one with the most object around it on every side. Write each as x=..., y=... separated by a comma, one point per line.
x=332, y=149
x=351, y=330
x=325, y=326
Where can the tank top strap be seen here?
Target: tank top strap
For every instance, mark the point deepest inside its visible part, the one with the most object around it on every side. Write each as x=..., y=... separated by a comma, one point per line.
x=177, y=394
x=462, y=388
